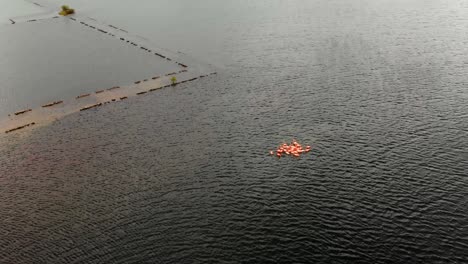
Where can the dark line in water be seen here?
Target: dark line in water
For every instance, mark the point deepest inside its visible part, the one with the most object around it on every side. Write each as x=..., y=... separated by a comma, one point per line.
x=20, y=127
x=23, y=111
x=52, y=104
x=83, y=95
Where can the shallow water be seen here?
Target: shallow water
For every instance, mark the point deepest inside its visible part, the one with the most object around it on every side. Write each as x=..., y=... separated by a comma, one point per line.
x=378, y=88
x=59, y=59
x=12, y=9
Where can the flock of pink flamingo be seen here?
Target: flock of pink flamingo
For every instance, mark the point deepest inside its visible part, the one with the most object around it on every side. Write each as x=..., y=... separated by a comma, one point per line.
x=295, y=149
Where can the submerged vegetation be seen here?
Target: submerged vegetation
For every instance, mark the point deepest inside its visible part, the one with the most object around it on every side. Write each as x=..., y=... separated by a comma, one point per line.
x=66, y=11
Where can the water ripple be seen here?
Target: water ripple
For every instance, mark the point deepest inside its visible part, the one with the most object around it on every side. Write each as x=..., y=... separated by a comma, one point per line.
x=183, y=175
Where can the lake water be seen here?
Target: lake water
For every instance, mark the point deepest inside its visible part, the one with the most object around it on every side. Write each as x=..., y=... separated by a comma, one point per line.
x=378, y=89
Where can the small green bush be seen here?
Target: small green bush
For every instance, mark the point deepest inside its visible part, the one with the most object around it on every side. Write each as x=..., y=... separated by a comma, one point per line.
x=66, y=10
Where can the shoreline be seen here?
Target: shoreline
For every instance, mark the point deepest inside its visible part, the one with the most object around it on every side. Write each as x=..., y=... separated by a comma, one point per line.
x=46, y=114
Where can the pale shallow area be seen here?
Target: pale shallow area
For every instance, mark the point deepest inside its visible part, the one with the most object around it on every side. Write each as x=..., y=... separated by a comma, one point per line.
x=10, y=9
x=58, y=59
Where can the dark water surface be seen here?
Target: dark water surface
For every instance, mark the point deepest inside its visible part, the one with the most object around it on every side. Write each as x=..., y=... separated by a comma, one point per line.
x=378, y=88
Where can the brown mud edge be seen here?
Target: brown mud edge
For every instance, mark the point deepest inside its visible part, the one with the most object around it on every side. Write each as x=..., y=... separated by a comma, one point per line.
x=22, y=112
x=20, y=127
x=52, y=104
